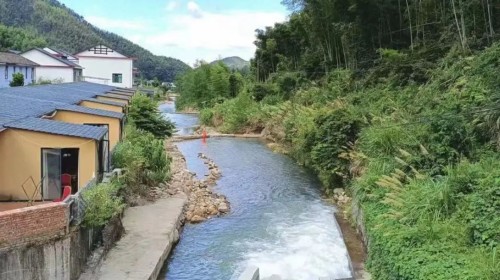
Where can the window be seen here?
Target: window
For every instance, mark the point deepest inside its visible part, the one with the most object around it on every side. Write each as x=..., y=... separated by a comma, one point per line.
x=117, y=78
x=33, y=74
x=6, y=72
x=26, y=72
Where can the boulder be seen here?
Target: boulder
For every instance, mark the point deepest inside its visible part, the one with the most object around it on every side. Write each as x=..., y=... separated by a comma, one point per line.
x=197, y=219
x=223, y=208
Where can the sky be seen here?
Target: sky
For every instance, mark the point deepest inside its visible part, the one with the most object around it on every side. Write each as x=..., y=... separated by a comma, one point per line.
x=185, y=29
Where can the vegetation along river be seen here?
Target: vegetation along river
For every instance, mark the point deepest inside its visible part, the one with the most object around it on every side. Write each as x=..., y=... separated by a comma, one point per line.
x=278, y=221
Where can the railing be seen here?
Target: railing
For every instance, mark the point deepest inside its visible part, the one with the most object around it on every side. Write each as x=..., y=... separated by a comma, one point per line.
x=77, y=203
x=97, y=80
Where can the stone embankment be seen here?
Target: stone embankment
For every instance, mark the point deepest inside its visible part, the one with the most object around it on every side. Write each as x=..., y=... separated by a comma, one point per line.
x=203, y=203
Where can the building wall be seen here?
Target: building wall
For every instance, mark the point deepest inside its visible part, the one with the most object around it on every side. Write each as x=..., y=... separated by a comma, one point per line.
x=28, y=225
x=6, y=79
x=79, y=118
x=104, y=67
x=55, y=74
x=112, y=99
x=21, y=158
x=51, y=68
x=96, y=105
x=42, y=59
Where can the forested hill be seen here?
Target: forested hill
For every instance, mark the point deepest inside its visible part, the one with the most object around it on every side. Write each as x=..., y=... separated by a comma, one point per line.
x=52, y=23
x=234, y=62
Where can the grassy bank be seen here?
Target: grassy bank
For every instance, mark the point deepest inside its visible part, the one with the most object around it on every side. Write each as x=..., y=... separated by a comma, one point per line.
x=422, y=158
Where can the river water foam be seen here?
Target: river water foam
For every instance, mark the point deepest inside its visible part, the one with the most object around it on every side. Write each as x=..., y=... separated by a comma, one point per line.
x=278, y=220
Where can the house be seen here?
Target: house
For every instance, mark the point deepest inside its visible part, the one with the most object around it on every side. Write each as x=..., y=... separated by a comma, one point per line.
x=11, y=63
x=54, y=66
x=104, y=65
x=48, y=133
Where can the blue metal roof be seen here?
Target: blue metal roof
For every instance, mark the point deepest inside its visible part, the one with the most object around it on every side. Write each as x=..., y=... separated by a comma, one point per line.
x=59, y=128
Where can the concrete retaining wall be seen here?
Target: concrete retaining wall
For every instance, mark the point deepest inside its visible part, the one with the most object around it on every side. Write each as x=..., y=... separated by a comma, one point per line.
x=62, y=258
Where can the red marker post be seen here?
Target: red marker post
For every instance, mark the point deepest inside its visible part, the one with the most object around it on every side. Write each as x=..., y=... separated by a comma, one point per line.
x=204, y=136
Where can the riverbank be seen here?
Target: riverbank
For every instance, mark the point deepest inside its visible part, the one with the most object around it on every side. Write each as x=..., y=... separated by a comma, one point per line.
x=353, y=240
x=151, y=232
x=203, y=203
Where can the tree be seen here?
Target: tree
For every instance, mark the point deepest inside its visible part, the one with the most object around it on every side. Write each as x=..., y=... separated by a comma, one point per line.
x=144, y=114
x=17, y=80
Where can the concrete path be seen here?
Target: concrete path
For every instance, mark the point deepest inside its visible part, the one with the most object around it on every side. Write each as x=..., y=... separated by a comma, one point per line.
x=150, y=233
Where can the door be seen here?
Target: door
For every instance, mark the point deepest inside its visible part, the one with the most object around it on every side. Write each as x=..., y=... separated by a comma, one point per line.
x=51, y=172
x=69, y=165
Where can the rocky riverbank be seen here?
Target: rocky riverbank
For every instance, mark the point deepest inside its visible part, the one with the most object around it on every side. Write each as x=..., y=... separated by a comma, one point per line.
x=203, y=203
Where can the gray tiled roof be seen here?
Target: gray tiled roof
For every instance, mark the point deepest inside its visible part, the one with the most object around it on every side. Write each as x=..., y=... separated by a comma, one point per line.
x=104, y=102
x=12, y=58
x=91, y=111
x=65, y=61
x=116, y=96
x=124, y=93
x=59, y=128
x=18, y=106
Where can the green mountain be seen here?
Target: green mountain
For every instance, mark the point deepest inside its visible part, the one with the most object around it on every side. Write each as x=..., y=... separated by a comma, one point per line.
x=234, y=62
x=52, y=23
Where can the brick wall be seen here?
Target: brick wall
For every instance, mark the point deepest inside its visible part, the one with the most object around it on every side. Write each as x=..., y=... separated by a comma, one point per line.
x=32, y=224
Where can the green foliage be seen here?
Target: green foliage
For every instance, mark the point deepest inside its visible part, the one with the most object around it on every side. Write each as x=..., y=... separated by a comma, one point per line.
x=102, y=203
x=206, y=86
x=144, y=114
x=234, y=115
x=143, y=157
x=42, y=23
x=404, y=115
x=13, y=38
x=17, y=80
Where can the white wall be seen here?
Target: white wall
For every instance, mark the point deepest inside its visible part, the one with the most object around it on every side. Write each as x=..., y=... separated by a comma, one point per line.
x=104, y=67
x=55, y=73
x=51, y=68
x=42, y=59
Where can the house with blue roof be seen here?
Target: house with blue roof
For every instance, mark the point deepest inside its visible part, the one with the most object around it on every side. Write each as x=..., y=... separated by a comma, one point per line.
x=52, y=136
x=11, y=63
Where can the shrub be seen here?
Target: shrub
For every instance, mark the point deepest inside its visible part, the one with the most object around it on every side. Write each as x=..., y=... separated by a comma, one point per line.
x=144, y=114
x=17, y=80
x=144, y=158
x=102, y=204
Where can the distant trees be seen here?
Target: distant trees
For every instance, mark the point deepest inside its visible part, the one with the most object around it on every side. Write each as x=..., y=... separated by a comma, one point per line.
x=12, y=38
x=17, y=80
x=322, y=35
x=208, y=84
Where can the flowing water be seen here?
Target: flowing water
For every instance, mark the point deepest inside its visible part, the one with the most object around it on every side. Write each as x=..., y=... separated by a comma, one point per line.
x=278, y=221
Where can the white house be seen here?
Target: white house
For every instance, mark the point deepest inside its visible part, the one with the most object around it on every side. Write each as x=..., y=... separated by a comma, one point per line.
x=54, y=66
x=104, y=65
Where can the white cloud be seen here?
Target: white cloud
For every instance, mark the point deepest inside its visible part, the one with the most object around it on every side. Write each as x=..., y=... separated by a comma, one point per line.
x=194, y=9
x=116, y=24
x=231, y=33
x=172, y=5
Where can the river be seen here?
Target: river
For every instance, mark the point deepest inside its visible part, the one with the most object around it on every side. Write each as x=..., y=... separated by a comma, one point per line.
x=278, y=221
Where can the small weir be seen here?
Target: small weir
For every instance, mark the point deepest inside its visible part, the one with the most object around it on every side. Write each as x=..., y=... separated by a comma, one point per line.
x=278, y=221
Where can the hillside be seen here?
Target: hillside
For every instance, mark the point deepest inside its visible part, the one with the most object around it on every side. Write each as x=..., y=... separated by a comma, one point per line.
x=234, y=62
x=62, y=28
